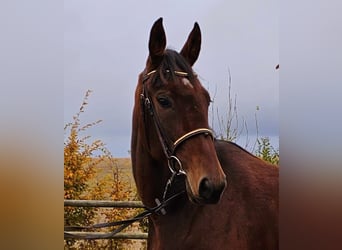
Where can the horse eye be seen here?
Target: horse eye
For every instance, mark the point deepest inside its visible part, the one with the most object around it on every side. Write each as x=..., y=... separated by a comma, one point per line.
x=164, y=102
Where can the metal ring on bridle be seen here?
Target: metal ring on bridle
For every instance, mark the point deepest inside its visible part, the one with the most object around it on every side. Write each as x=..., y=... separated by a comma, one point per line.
x=174, y=159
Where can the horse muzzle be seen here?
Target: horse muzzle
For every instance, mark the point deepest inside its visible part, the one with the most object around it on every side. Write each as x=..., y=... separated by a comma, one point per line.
x=209, y=192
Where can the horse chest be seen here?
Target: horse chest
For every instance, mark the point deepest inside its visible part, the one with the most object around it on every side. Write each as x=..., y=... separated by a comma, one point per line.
x=210, y=227
x=192, y=231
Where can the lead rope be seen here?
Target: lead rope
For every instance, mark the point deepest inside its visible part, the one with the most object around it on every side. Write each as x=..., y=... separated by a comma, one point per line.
x=168, y=184
x=123, y=223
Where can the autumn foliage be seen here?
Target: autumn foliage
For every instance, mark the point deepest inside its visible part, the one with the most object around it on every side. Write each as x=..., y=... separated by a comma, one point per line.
x=85, y=179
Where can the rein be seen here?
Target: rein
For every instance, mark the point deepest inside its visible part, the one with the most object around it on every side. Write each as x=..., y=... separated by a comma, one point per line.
x=123, y=224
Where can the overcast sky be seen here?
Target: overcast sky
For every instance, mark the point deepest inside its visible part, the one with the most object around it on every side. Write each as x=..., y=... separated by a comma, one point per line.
x=106, y=46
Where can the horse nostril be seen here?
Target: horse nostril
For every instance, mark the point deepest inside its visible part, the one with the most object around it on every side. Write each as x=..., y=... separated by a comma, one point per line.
x=205, y=189
x=209, y=192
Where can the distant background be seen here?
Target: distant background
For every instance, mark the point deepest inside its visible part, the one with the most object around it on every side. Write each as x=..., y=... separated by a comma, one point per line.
x=106, y=46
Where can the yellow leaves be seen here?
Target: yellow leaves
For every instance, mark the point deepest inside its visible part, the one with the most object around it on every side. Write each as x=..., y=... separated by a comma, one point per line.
x=87, y=176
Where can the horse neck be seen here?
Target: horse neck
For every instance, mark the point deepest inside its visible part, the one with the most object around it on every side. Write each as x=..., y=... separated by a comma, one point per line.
x=176, y=224
x=150, y=179
x=150, y=173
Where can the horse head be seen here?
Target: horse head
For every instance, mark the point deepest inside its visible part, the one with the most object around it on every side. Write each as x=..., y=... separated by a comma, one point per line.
x=172, y=106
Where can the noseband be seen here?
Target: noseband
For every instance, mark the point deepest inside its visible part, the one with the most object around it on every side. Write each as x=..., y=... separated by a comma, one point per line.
x=169, y=151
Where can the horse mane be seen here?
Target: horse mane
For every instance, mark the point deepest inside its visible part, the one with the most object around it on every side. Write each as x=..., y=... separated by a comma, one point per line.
x=172, y=61
x=236, y=145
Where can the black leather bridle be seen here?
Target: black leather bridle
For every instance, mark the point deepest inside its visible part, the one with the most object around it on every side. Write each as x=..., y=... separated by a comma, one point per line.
x=169, y=149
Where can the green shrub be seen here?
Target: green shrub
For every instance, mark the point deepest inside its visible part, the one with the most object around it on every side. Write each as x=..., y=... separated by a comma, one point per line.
x=266, y=152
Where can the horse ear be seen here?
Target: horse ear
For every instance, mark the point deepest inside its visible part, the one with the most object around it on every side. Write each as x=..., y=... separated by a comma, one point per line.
x=192, y=46
x=157, y=42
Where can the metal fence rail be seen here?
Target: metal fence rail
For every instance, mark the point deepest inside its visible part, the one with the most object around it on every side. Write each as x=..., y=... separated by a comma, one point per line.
x=112, y=204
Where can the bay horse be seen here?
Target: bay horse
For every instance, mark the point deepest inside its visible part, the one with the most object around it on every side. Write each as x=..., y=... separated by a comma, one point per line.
x=223, y=197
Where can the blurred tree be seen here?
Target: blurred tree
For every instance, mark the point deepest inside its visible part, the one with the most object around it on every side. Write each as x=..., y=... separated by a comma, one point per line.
x=84, y=179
